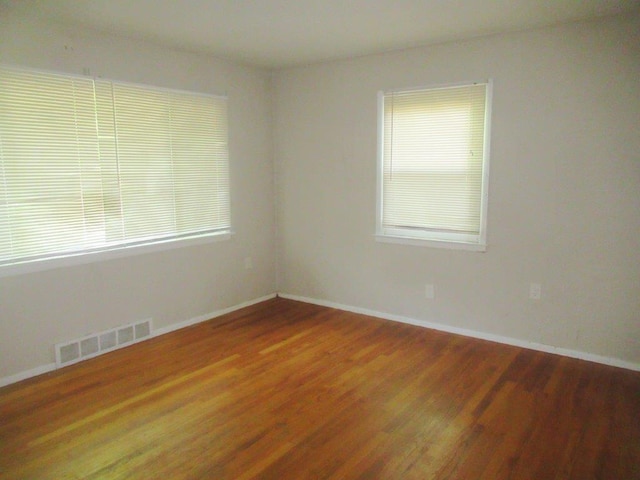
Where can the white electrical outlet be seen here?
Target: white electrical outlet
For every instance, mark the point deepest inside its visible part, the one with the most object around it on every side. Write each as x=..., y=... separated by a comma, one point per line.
x=430, y=291
x=535, y=291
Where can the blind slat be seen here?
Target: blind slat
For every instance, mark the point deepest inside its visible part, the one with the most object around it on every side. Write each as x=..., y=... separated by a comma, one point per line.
x=433, y=158
x=86, y=164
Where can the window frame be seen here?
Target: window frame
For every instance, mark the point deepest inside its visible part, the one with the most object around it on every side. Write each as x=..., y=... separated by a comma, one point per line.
x=143, y=246
x=424, y=238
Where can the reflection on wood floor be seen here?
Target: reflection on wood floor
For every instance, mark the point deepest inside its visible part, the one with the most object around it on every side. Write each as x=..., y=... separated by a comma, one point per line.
x=287, y=390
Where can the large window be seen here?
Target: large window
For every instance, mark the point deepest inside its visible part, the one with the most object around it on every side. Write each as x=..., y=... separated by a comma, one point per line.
x=433, y=165
x=89, y=164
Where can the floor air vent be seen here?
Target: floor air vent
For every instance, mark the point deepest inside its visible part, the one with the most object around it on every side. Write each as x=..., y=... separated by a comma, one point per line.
x=68, y=353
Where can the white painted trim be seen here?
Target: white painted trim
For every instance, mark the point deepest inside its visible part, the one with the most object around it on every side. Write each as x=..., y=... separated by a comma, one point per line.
x=425, y=242
x=208, y=316
x=591, y=357
x=4, y=381
x=34, y=372
x=421, y=238
x=615, y=362
x=110, y=253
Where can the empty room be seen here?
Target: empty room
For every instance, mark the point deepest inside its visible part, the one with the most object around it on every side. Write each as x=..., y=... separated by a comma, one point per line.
x=365, y=239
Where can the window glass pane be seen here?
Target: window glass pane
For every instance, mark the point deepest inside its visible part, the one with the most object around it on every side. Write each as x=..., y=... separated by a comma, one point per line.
x=90, y=164
x=433, y=162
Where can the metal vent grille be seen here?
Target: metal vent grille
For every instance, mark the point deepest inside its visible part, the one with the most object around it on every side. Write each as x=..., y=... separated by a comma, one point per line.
x=74, y=351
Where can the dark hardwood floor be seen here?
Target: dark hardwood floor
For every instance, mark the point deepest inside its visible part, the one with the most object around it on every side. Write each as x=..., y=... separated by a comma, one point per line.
x=287, y=390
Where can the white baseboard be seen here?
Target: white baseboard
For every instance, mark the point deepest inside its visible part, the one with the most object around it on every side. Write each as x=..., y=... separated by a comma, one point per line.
x=208, y=316
x=615, y=362
x=34, y=372
x=4, y=381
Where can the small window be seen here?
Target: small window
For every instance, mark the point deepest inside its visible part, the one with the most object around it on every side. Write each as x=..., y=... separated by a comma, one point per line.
x=433, y=166
x=90, y=165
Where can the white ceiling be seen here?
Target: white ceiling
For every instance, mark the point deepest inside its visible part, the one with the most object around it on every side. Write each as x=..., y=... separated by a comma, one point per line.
x=280, y=33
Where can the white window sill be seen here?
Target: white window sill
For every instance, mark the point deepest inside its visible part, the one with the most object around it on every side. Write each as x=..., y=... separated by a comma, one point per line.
x=110, y=253
x=421, y=242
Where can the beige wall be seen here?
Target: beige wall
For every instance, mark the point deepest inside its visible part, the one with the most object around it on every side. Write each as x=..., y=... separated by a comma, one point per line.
x=38, y=310
x=564, y=206
x=563, y=210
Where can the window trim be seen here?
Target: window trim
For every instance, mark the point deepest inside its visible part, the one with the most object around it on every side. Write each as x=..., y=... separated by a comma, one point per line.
x=106, y=254
x=476, y=243
x=141, y=247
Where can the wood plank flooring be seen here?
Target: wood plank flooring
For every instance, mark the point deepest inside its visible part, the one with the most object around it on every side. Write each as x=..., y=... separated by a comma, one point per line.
x=286, y=390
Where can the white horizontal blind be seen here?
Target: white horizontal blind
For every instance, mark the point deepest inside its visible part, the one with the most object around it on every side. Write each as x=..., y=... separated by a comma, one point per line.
x=433, y=159
x=49, y=165
x=87, y=165
x=172, y=160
